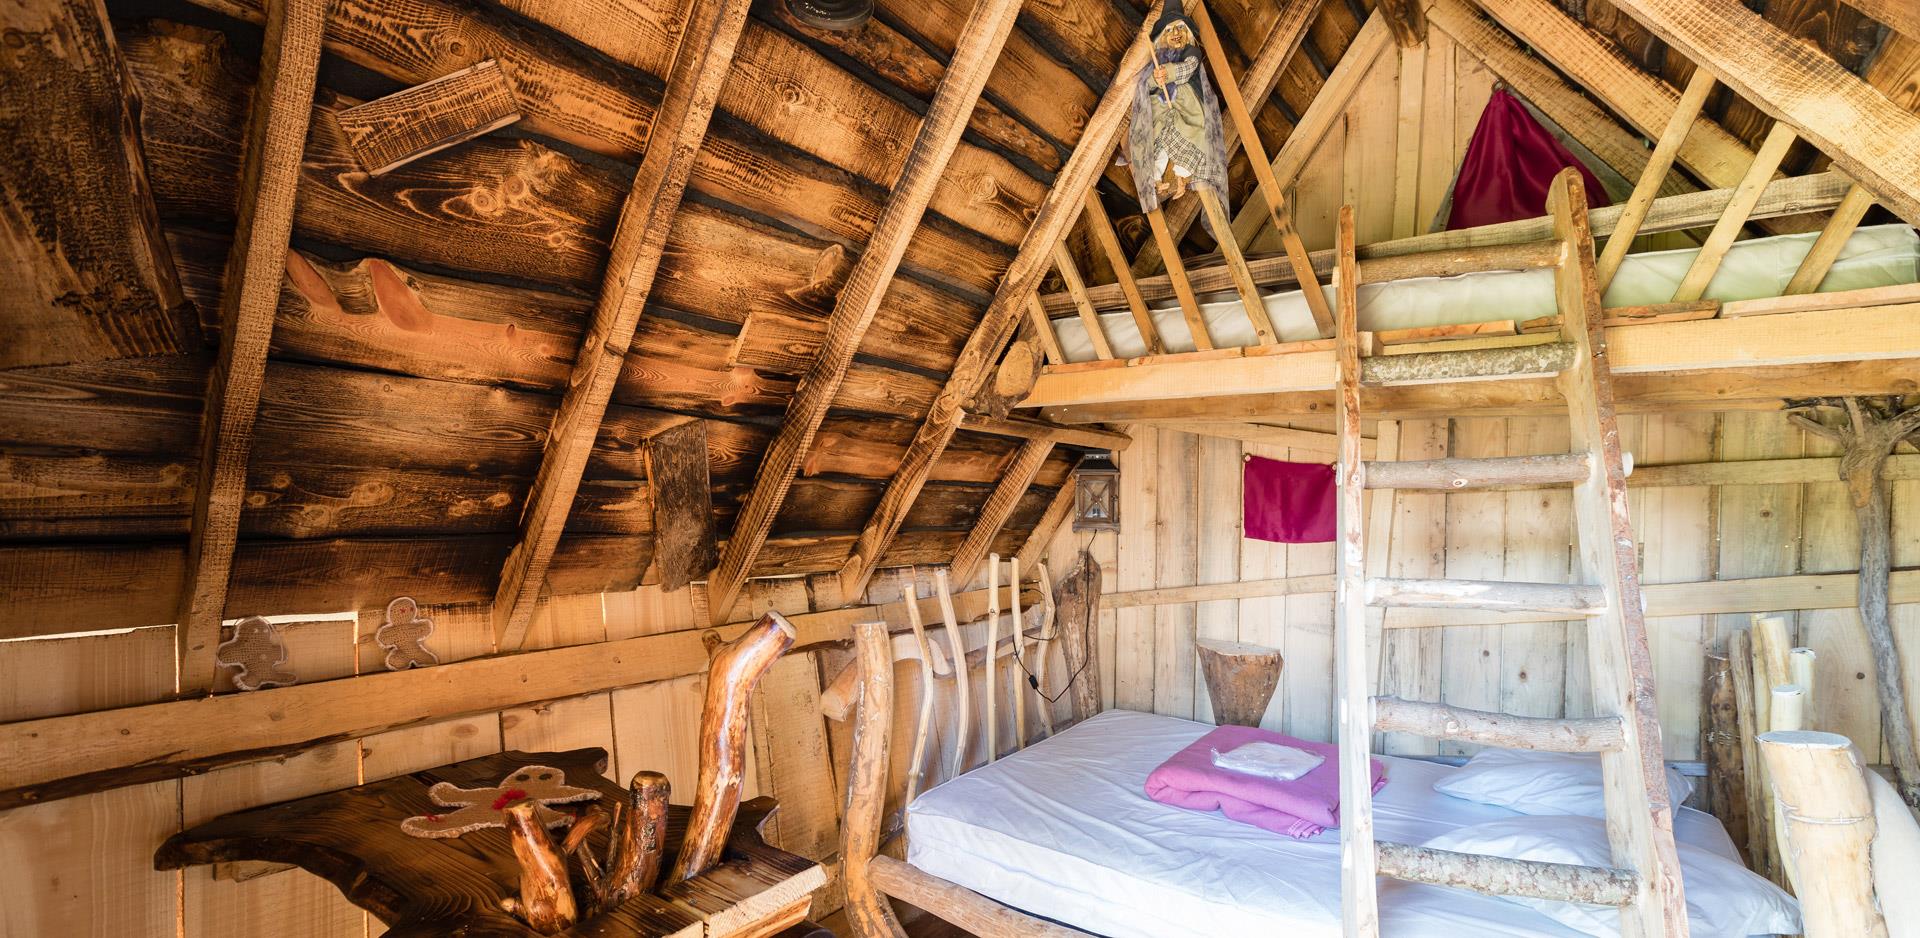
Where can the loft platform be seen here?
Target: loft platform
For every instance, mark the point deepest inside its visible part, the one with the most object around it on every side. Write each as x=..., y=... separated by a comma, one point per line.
x=420, y=887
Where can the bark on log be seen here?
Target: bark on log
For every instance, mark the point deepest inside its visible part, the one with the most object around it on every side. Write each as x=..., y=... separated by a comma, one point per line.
x=1077, y=605
x=1471, y=473
x=1473, y=365
x=1439, y=721
x=546, y=897
x=1820, y=785
x=1240, y=679
x=638, y=840
x=1726, y=770
x=735, y=668
x=1500, y=876
x=867, y=910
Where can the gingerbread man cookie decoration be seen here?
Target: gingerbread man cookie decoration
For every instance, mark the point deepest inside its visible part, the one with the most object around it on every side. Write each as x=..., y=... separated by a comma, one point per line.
x=257, y=651
x=478, y=808
x=404, y=636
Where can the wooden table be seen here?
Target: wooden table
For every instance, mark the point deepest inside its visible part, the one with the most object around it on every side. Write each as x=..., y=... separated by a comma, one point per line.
x=422, y=887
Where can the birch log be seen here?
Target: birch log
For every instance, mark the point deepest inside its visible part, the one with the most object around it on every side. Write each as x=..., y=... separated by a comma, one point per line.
x=1820, y=785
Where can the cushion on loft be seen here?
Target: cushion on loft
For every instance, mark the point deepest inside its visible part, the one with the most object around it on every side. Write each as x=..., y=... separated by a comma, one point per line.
x=1509, y=166
x=1541, y=782
x=1724, y=899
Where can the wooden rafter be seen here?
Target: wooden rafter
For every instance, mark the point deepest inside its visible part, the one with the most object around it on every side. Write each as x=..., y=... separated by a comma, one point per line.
x=1902, y=15
x=270, y=176
x=976, y=361
x=1256, y=86
x=693, y=86
x=1706, y=263
x=1634, y=212
x=1872, y=139
x=999, y=507
x=1102, y=228
x=859, y=300
x=1407, y=19
x=1826, y=248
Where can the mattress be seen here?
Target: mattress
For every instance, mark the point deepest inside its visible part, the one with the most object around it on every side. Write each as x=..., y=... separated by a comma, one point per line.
x=1875, y=256
x=1063, y=830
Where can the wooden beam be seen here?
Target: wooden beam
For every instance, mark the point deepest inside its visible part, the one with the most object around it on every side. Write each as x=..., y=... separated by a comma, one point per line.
x=1879, y=332
x=1316, y=440
x=1706, y=597
x=706, y=56
x=1408, y=19
x=1043, y=328
x=1833, y=238
x=1902, y=15
x=1250, y=301
x=60, y=757
x=1090, y=437
x=269, y=177
x=1177, y=280
x=87, y=271
x=999, y=506
x=390, y=132
x=946, y=119
x=1109, y=240
x=1714, y=250
x=1634, y=213
x=1077, y=288
x=1256, y=86
x=677, y=474
x=1869, y=137
x=1015, y=293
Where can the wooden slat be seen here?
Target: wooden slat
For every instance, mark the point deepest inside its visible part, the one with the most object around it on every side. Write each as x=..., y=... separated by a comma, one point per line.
x=1408, y=20
x=1833, y=238
x=1634, y=212
x=390, y=132
x=1899, y=14
x=58, y=757
x=1177, y=278
x=1015, y=293
x=999, y=506
x=1250, y=302
x=713, y=30
x=939, y=134
x=1109, y=241
x=1869, y=137
x=1077, y=288
x=1277, y=209
x=1714, y=250
x=270, y=174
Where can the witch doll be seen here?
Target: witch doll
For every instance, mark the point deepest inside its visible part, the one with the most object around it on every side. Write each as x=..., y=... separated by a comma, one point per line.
x=1174, y=142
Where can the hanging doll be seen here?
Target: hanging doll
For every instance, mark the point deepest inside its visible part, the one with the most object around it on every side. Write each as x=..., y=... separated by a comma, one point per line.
x=1174, y=142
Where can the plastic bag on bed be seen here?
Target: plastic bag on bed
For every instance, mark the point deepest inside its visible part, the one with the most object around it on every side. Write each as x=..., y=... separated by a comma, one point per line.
x=1268, y=760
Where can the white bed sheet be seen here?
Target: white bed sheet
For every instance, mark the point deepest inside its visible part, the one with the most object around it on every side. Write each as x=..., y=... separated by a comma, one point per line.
x=1874, y=256
x=1065, y=831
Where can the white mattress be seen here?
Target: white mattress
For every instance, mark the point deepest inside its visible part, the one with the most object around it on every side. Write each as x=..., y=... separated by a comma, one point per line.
x=1064, y=830
x=1874, y=256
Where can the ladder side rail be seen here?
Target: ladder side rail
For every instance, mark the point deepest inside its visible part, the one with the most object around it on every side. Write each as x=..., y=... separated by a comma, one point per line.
x=1359, y=910
x=1639, y=815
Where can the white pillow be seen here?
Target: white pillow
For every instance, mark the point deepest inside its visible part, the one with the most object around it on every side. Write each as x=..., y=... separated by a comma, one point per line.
x=1541, y=782
x=1724, y=899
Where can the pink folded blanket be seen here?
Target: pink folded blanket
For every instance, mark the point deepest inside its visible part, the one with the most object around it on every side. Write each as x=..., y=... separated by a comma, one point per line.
x=1301, y=808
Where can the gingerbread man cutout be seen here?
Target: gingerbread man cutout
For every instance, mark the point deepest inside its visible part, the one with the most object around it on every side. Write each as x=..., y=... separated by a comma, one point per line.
x=404, y=636
x=257, y=651
x=487, y=807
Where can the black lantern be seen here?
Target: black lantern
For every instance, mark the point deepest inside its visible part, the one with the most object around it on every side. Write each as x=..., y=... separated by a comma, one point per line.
x=1096, y=493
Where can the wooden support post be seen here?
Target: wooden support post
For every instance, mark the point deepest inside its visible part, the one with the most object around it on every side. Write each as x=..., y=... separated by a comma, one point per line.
x=1043, y=327
x=638, y=840
x=946, y=119
x=736, y=668
x=1826, y=248
x=1109, y=240
x=867, y=909
x=1634, y=213
x=1250, y=301
x=962, y=675
x=1049, y=632
x=269, y=178
x=693, y=85
x=1800, y=663
x=1077, y=288
x=916, y=765
x=1408, y=20
x=1240, y=679
x=1019, y=637
x=1705, y=264
x=1177, y=277
x=546, y=901
x=1726, y=770
x=1758, y=806
x=1820, y=784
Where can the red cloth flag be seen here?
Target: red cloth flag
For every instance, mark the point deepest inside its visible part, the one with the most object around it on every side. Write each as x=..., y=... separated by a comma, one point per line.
x=1288, y=502
x=1509, y=167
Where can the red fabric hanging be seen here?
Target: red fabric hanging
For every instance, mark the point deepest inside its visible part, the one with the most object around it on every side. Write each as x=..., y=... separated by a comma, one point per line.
x=1509, y=167
x=1288, y=502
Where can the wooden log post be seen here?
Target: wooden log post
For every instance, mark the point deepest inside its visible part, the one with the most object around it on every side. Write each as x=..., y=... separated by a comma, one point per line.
x=916, y=766
x=1240, y=679
x=638, y=840
x=1048, y=632
x=1077, y=605
x=1870, y=430
x=546, y=901
x=1740, y=662
x=867, y=909
x=734, y=670
x=1501, y=876
x=1820, y=784
x=1726, y=770
x=962, y=675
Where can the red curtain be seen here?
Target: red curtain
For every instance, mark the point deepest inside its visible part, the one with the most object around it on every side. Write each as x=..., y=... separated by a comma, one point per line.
x=1509, y=167
x=1288, y=502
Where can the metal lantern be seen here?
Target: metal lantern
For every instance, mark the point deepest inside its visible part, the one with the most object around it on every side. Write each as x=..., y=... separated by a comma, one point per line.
x=1096, y=493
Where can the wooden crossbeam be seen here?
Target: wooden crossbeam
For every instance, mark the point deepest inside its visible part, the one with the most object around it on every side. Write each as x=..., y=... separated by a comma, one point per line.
x=1714, y=250
x=1091, y=437
x=269, y=178
x=1826, y=248
x=1256, y=86
x=1077, y=288
x=1176, y=278
x=1634, y=212
x=976, y=360
x=1872, y=139
x=393, y=131
x=693, y=85
x=999, y=507
x=1043, y=328
x=1109, y=240
x=979, y=47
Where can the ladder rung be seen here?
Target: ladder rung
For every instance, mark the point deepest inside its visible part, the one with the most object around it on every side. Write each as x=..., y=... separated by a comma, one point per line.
x=1439, y=721
x=1568, y=599
x=1500, y=876
x=1477, y=473
x=1489, y=364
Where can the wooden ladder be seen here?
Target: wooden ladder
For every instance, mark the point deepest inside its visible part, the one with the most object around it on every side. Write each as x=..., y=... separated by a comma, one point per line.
x=1644, y=880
